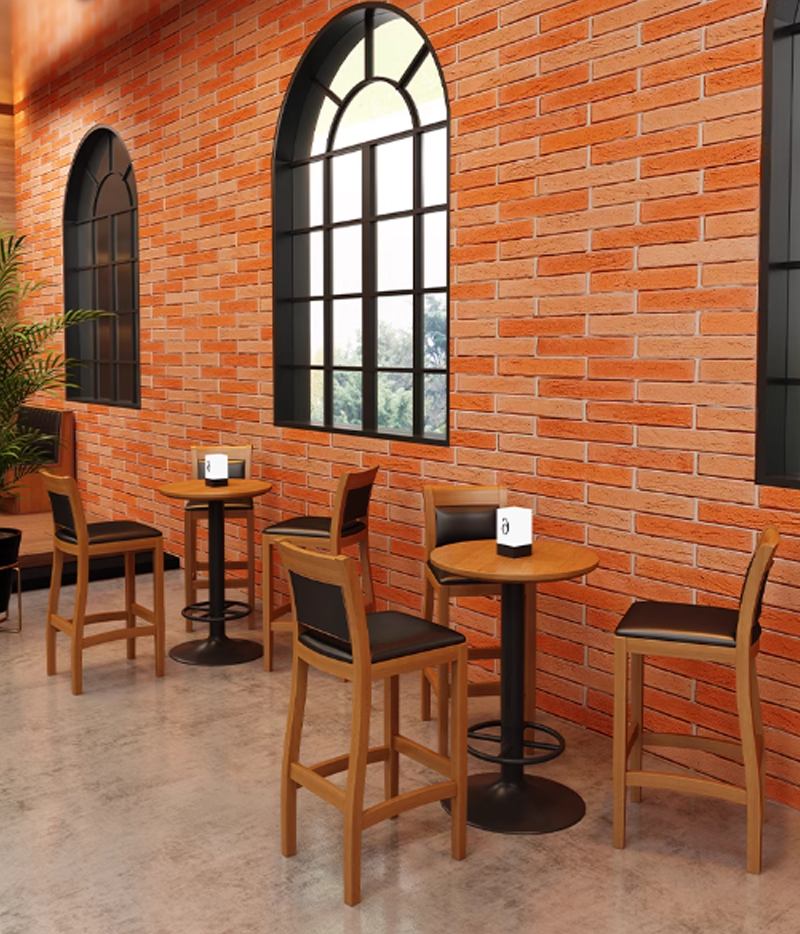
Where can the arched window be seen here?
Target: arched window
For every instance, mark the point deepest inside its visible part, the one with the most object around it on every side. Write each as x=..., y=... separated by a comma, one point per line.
x=101, y=270
x=778, y=423
x=361, y=181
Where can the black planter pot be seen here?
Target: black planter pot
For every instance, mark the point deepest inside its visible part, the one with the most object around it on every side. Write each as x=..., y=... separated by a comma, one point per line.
x=9, y=553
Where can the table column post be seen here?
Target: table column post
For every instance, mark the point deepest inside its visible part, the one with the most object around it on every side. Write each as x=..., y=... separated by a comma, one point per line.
x=216, y=568
x=512, y=685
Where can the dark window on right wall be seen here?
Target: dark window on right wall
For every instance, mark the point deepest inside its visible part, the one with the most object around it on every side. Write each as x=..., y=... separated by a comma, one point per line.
x=778, y=421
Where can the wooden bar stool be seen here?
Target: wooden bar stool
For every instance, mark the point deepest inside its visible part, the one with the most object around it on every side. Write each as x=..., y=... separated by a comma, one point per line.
x=334, y=634
x=347, y=525
x=74, y=538
x=196, y=576
x=706, y=633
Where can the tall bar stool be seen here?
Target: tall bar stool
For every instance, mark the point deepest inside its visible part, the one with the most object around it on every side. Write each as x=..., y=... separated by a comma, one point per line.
x=457, y=514
x=196, y=576
x=347, y=525
x=334, y=634
x=74, y=538
x=706, y=633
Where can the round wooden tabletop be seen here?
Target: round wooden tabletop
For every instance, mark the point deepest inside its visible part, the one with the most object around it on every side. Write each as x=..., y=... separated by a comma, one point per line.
x=198, y=491
x=550, y=561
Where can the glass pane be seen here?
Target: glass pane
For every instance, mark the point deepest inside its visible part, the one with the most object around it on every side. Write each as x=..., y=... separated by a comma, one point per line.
x=317, y=334
x=347, y=399
x=435, y=421
x=99, y=161
x=346, y=185
x=80, y=340
x=105, y=338
x=396, y=44
x=120, y=160
x=435, y=331
x=317, y=379
x=86, y=289
x=84, y=257
x=775, y=416
x=778, y=322
x=793, y=333
x=326, y=114
x=346, y=260
x=126, y=374
x=394, y=173
x=435, y=243
x=350, y=72
x=376, y=111
x=105, y=294
x=113, y=196
x=435, y=169
x=102, y=241
x=82, y=376
x=123, y=242
x=124, y=288
x=347, y=321
x=395, y=402
x=427, y=93
x=308, y=264
x=86, y=199
x=126, y=337
x=794, y=118
x=395, y=259
x=105, y=388
x=396, y=331
x=315, y=195
x=792, y=434
x=781, y=150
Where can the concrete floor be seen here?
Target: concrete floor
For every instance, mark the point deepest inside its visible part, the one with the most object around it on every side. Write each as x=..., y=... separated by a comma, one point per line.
x=152, y=807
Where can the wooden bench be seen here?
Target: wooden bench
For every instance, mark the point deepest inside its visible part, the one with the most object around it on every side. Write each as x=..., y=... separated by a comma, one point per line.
x=31, y=495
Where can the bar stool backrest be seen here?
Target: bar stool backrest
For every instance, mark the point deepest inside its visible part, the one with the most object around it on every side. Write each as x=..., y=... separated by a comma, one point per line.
x=326, y=595
x=65, y=501
x=240, y=460
x=748, y=629
x=460, y=513
x=351, y=504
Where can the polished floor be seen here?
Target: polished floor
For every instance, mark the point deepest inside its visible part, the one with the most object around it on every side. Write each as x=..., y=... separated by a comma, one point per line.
x=152, y=807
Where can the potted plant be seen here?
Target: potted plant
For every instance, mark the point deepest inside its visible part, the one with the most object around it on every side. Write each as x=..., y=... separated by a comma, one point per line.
x=28, y=365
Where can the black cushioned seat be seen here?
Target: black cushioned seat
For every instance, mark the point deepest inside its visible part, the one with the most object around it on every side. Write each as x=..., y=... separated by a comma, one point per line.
x=103, y=533
x=315, y=526
x=391, y=635
x=682, y=622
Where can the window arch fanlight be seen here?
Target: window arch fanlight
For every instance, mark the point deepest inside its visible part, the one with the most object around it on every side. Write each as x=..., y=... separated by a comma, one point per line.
x=361, y=254
x=101, y=270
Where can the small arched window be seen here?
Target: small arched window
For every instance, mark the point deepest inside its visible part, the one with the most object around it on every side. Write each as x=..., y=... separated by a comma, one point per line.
x=361, y=182
x=101, y=270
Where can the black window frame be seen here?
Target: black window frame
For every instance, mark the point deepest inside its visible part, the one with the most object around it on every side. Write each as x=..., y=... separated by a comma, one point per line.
x=291, y=326
x=101, y=271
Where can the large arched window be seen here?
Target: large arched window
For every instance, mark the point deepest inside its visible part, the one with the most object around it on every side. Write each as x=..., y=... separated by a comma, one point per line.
x=361, y=260
x=101, y=270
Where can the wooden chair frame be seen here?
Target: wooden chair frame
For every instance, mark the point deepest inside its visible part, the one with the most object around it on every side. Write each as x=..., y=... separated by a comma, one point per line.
x=82, y=551
x=280, y=618
x=630, y=738
x=196, y=572
x=437, y=497
x=341, y=571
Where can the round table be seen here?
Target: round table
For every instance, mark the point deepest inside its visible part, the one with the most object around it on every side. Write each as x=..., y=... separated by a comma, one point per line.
x=511, y=801
x=218, y=648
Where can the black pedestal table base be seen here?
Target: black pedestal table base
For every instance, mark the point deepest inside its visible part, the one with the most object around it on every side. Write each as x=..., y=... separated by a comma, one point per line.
x=533, y=805
x=217, y=650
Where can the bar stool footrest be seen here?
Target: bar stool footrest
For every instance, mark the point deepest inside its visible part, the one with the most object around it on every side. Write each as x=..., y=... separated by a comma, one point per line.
x=201, y=612
x=553, y=750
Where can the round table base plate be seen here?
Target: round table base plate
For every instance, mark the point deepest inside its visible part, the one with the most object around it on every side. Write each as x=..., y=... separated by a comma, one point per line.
x=217, y=651
x=538, y=805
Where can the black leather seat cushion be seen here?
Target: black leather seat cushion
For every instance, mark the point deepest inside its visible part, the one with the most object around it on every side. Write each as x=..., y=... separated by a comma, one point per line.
x=312, y=526
x=101, y=533
x=682, y=622
x=391, y=635
x=241, y=505
x=451, y=580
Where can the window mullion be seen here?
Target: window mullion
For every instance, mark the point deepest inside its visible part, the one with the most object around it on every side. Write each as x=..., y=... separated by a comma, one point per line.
x=327, y=291
x=418, y=384
x=369, y=399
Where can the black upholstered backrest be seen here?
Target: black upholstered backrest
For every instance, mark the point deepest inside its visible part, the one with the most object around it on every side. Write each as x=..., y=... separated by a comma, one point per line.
x=63, y=516
x=356, y=504
x=240, y=460
x=464, y=523
x=351, y=504
x=45, y=421
x=320, y=606
x=460, y=513
x=236, y=469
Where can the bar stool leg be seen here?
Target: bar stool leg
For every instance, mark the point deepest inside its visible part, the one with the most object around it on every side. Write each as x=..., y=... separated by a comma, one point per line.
x=620, y=740
x=130, y=599
x=356, y=779
x=52, y=610
x=291, y=754
x=79, y=616
x=637, y=719
x=391, y=728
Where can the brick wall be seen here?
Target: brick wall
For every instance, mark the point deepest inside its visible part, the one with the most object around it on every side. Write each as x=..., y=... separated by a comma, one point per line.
x=604, y=272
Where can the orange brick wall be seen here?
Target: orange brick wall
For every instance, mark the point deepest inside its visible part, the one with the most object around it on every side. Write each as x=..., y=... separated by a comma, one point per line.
x=605, y=168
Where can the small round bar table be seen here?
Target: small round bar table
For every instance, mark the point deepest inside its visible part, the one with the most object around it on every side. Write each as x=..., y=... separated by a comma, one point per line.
x=218, y=648
x=509, y=801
